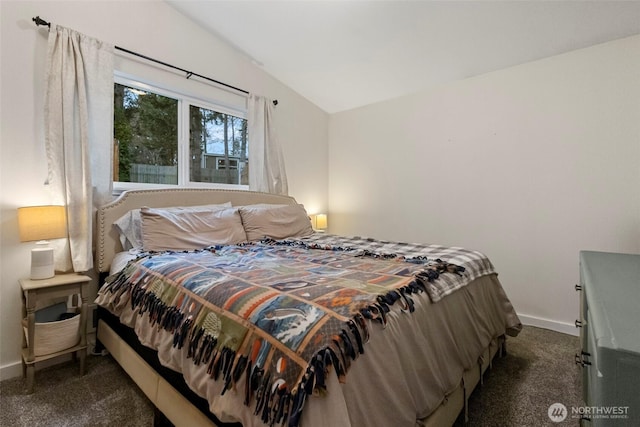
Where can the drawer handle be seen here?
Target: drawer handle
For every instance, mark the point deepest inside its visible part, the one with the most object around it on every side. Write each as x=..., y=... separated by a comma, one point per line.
x=578, y=324
x=578, y=287
x=580, y=360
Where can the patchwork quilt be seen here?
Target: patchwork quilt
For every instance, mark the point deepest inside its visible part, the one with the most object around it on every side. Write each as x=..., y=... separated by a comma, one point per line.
x=284, y=312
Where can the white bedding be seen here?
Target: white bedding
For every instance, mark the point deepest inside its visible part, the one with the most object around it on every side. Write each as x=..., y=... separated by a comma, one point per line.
x=121, y=259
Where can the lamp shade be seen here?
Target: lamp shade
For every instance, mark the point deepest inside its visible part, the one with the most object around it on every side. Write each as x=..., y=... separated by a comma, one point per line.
x=42, y=222
x=321, y=221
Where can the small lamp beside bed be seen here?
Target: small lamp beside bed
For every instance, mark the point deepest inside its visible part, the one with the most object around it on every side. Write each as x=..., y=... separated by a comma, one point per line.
x=319, y=222
x=40, y=223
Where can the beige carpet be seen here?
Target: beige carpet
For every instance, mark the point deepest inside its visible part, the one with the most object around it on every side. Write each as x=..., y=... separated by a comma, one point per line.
x=537, y=371
x=105, y=396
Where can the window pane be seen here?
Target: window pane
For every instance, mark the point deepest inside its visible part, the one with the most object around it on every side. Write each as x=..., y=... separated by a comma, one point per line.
x=218, y=147
x=145, y=137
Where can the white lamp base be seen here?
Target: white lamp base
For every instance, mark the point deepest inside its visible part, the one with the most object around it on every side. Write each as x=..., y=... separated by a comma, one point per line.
x=42, y=263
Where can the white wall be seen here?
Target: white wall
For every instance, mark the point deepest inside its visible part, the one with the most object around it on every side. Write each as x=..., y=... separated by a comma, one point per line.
x=154, y=29
x=530, y=165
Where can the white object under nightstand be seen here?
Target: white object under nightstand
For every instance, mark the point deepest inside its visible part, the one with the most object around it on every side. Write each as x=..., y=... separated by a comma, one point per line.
x=61, y=285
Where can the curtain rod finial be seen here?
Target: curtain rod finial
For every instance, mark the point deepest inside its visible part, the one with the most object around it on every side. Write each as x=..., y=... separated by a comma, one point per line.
x=39, y=21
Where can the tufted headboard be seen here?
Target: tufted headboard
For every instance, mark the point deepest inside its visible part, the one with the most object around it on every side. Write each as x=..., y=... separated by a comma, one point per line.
x=107, y=239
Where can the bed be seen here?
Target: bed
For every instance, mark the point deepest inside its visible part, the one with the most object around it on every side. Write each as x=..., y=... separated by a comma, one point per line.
x=305, y=329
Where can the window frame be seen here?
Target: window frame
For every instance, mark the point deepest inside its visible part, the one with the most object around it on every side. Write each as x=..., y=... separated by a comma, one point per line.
x=184, y=101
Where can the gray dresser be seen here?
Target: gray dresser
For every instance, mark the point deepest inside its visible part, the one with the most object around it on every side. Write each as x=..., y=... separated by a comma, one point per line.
x=610, y=338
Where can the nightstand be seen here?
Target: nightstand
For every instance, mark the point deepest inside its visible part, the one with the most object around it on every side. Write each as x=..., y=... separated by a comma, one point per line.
x=61, y=285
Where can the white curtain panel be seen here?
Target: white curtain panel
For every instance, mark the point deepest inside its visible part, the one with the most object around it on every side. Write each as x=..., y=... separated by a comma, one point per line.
x=266, y=163
x=78, y=135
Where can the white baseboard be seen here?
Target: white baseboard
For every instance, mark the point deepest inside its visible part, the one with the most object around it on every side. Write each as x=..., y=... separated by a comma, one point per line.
x=13, y=370
x=554, y=325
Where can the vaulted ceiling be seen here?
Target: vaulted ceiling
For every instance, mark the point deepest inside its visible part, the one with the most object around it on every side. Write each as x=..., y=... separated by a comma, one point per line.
x=345, y=54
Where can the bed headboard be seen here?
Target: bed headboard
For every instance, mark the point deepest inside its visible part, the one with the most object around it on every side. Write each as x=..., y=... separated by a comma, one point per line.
x=107, y=240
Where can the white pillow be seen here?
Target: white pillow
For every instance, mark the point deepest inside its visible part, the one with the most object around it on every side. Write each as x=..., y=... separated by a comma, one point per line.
x=190, y=229
x=130, y=228
x=275, y=221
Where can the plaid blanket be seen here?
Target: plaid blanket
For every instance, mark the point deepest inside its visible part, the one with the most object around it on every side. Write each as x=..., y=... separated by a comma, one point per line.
x=474, y=263
x=283, y=312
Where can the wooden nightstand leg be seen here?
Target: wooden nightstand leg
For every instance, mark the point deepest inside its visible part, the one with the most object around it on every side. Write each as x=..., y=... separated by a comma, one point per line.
x=31, y=334
x=31, y=370
x=24, y=369
x=83, y=328
x=83, y=357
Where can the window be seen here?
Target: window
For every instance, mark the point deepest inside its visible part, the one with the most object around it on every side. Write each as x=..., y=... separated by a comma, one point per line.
x=218, y=147
x=163, y=137
x=222, y=164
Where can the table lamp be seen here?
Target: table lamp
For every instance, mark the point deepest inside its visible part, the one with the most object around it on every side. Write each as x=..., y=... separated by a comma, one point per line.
x=319, y=222
x=40, y=223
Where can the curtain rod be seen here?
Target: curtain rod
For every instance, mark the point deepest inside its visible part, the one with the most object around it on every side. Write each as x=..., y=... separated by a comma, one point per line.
x=39, y=21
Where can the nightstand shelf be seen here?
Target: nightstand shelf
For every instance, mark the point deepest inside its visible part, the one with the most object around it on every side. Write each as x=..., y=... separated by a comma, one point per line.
x=34, y=291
